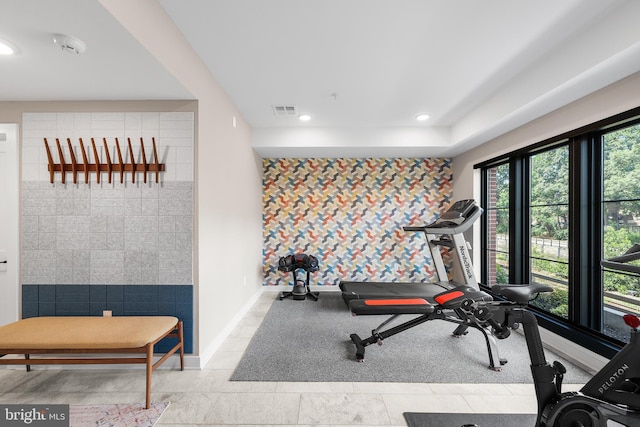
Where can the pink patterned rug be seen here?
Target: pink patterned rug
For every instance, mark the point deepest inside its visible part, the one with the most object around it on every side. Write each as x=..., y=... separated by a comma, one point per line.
x=120, y=415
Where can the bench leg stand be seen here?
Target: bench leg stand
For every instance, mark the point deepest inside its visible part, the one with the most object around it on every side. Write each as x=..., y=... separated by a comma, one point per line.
x=181, y=338
x=149, y=372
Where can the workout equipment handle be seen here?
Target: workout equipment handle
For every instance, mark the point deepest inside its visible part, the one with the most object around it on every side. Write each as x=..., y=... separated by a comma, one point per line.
x=414, y=228
x=619, y=263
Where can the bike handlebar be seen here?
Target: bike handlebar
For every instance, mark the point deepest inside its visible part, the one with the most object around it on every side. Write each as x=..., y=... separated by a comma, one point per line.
x=620, y=263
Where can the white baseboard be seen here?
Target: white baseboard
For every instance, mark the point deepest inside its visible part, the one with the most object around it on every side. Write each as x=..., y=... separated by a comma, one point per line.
x=575, y=353
x=208, y=353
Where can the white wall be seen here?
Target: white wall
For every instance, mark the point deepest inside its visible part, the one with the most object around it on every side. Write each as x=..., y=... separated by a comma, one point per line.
x=228, y=179
x=613, y=99
x=171, y=131
x=351, y=142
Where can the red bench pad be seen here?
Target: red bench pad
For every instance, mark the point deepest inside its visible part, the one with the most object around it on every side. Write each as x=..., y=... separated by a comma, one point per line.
x=390, y=306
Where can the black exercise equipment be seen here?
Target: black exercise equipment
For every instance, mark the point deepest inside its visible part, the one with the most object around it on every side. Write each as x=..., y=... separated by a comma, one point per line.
x=293, y=263
x=610, y=399
x=430, y=301
x=446, y=306
x=445, y=232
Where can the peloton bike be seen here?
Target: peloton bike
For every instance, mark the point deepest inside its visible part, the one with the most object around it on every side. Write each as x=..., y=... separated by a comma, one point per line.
x=439, y=300
x=610, y=399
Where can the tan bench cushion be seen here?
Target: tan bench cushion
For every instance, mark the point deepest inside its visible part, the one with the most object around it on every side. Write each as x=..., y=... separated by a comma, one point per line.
x=50, y=333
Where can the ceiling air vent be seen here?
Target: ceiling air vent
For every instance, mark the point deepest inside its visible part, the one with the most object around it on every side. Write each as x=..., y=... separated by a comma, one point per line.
x=284, y=110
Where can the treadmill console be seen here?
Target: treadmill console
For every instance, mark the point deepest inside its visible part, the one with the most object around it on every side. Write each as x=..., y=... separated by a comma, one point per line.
x=456, y=214
x=457, y=219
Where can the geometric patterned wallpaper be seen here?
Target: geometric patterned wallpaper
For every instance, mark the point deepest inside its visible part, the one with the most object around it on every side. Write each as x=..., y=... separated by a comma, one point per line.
x=349, y=214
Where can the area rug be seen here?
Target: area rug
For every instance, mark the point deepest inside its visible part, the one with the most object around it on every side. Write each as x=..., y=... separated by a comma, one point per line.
x=308, y=341
x=120, y=415
x=415, y=419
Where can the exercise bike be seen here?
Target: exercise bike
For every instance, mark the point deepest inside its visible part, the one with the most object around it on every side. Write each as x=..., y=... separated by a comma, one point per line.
x=610, y=399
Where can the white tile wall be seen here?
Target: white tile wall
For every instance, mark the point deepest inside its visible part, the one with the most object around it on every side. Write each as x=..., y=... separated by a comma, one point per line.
x=173, y=133
x=108, y=233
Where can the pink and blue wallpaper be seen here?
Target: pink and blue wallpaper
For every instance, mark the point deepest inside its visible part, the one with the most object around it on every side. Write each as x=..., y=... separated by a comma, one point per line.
x=349, y=213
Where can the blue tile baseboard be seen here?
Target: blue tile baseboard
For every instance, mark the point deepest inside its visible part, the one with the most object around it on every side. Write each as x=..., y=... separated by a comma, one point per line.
x=122, y=300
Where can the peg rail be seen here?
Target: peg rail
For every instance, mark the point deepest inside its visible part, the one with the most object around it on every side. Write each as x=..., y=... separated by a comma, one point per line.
x=110, y=167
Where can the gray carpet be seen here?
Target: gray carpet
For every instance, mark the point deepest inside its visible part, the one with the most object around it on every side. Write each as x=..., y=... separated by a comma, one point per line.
x=308, y=341
x=415, y=419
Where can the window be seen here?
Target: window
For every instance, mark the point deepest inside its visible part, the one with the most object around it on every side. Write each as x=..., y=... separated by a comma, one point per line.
x=621, y=224
x=553, y=211
x=497, y=213
x=549, y=227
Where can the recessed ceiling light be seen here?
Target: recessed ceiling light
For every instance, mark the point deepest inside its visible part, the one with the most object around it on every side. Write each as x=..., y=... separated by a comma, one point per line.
x=69, y=44
x=422, y=117
x=6, y=48
x=304, y=117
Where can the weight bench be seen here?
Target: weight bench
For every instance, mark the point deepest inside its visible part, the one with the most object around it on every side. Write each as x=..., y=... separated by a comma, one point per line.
x=444, y=306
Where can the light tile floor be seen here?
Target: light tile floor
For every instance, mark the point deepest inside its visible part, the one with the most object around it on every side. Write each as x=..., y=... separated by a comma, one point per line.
x=207, y=397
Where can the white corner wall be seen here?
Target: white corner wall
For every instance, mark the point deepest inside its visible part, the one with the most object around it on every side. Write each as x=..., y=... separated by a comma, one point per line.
x=228, y=223
x=613, y=99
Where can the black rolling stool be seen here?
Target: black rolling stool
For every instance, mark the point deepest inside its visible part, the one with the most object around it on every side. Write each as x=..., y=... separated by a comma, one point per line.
x=293, y=263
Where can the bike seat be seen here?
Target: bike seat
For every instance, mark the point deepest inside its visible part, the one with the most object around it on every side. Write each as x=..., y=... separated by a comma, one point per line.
x=520, y=294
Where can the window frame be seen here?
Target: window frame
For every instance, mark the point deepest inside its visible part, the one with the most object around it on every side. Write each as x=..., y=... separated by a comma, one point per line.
x=484, y=230
x=585, y=282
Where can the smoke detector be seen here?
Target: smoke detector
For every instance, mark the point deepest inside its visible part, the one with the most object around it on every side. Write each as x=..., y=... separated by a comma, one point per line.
x=69, y=44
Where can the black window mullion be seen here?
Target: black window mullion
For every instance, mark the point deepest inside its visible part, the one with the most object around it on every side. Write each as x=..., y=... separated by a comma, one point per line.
x=484, y=233
x=588, y=280
x=596, y=225
x=583, y=235
x=578, y=300
x=519, y=221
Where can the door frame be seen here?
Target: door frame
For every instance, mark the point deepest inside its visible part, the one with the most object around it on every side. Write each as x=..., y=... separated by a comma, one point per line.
x=11, y=311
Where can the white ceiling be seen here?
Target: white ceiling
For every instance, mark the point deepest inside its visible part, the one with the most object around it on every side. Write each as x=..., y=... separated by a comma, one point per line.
x=361, y=68
x=114, y=67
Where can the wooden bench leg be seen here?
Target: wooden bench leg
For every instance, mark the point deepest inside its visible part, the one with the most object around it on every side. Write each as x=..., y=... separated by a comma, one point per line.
x=149, y=372
x=181, y=338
